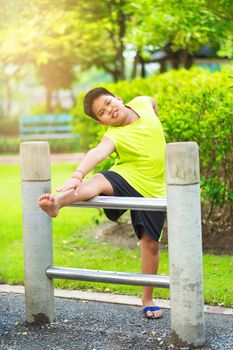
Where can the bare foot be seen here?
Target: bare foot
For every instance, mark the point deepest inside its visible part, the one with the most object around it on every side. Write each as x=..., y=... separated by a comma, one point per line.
x=49, y=203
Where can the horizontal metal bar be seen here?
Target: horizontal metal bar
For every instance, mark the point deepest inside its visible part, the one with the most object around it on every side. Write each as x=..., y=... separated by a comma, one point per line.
x=108, y=277
x=135, y=203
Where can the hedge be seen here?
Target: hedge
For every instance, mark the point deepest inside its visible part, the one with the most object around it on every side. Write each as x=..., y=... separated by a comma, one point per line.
x=10, y=145
x=9, y=127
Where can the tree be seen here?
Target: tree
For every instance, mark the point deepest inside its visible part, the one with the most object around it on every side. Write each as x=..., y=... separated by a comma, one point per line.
x=181, y=27
x=103, y=27
x=57, y=36
x=48, y=47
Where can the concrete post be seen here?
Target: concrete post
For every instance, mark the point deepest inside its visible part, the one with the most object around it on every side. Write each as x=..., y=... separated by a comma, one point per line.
x=185, y=244
x=37, y=232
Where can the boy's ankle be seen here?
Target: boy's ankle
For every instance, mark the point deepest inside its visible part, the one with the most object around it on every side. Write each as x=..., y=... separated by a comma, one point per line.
x=59, y=202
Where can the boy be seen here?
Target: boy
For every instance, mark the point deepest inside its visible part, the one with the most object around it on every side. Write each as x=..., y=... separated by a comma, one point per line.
x=136, y=134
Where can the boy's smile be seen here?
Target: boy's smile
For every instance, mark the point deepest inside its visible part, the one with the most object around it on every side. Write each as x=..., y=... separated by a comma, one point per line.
x=110, y=110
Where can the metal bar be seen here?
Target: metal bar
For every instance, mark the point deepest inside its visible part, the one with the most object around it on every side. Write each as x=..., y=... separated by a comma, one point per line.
x=135, y=203
x=108, y=277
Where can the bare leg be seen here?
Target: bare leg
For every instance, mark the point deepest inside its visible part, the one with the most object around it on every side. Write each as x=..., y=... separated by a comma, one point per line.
x=92, y=187
x=149, y=263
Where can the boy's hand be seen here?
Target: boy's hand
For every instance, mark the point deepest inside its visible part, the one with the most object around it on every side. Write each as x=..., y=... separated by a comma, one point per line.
x=73, y=183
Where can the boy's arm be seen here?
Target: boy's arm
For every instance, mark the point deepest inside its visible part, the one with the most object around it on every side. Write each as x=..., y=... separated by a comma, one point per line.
x=90, y=160
x=96, y=155
x=154, y=105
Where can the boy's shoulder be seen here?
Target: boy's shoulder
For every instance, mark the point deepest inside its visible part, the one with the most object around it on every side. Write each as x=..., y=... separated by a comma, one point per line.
x=141, y=101
x=141, y=98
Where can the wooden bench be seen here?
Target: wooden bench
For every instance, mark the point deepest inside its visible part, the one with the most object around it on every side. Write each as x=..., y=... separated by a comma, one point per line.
x=45, y=126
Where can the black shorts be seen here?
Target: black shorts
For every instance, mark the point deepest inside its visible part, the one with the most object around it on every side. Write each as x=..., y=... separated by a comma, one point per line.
x=150, y=222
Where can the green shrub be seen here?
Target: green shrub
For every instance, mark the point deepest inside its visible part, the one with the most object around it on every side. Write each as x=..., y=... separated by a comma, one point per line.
x=42, y=109
x=202, y=112
x=194, y=105
x=65, y=145
x=9, y=127
x=10, y=145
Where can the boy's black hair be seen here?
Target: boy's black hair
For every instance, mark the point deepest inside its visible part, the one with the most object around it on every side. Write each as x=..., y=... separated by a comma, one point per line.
x=90, y=97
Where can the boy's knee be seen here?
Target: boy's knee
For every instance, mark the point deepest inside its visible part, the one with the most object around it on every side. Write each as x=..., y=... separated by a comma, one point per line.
x=101, y=184
x=96, y=177
x=150, y=244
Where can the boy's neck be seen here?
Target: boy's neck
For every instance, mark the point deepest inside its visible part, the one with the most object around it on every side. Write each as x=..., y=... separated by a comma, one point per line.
x=132, y=116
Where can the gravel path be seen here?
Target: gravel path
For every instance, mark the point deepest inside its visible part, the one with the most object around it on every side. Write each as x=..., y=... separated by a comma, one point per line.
x=84, y=325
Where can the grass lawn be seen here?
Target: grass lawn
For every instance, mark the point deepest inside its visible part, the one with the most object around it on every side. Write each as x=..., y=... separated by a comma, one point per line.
x=74, y=246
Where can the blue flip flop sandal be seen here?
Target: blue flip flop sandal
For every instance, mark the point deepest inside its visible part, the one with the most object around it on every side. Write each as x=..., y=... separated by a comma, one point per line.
x=151, y=308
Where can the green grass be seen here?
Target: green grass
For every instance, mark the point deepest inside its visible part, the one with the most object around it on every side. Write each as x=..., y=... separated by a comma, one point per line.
x=74, y=246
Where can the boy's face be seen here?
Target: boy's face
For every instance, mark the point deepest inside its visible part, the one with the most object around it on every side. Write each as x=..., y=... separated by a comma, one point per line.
x=110, y=110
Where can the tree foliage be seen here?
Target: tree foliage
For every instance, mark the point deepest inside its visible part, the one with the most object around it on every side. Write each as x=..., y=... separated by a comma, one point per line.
x=57, y=36
x=182, y=26
x=39, y=35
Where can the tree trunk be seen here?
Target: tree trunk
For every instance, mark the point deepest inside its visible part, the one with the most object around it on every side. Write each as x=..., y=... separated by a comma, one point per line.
x=174, y=57
x=73, y=98
x=135, y=62
x=163, y=66
x=115, y=76
x=175, y=60
x=143, y=69
x=49, y=107
x=188, y=61
x=8, y=99
x=121, y=46
x=57, y=99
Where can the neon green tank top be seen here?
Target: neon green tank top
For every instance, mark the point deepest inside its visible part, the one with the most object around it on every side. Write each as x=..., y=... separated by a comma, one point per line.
x=140, y=150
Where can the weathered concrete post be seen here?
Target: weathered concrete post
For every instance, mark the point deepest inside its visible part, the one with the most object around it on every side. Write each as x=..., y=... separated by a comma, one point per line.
x=37, y=232
x=185, y=244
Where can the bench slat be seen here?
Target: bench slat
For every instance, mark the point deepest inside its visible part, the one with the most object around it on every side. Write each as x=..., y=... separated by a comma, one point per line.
x=45, y=129
x=45, y=119
x=47, y=136
x=46, y=126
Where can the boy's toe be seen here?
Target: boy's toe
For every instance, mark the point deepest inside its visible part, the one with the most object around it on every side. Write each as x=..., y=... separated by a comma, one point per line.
x=157, y=312
x=148, y=312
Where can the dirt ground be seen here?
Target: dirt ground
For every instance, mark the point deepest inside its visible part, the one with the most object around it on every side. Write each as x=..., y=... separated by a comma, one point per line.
x=122, y=234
